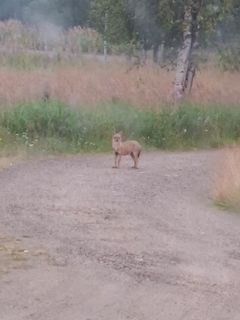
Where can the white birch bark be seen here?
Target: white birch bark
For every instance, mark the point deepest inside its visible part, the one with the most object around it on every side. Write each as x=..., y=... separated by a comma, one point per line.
x=185, y=70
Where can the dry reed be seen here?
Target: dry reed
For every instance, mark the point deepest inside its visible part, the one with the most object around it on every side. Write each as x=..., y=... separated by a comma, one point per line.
x=227, y=184
x=93, y=82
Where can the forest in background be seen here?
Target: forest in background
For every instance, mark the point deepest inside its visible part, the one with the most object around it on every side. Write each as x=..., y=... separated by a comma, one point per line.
x=146, y=24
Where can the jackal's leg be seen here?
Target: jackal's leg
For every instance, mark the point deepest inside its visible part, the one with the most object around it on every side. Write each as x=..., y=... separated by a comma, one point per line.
x=119, y=159
x=137, y=156
x=115, y=159
x=135, y=159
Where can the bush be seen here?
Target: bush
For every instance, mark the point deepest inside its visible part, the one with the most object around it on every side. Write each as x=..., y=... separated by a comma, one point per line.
x=229, y=59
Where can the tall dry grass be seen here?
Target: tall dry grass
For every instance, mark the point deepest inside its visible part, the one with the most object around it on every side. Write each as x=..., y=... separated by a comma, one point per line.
x=227, y=184
x=214, y=86
x=15, y=36
x=62, y=72
x=93, y=82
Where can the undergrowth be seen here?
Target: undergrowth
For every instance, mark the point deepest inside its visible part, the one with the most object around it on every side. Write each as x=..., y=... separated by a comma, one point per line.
x=55, y=127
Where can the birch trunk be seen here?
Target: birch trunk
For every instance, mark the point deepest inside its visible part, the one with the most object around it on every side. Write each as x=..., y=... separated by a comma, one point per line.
x=156, y=53
x=161, y=53
x=185, y=70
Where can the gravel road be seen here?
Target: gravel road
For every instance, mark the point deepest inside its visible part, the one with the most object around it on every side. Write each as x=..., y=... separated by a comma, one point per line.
x=82, y=241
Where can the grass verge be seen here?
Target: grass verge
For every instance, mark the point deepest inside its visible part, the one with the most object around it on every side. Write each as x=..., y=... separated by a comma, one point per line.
x=57, y=128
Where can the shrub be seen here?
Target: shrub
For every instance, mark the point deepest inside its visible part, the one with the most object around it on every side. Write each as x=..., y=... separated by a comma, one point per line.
x=229, y=59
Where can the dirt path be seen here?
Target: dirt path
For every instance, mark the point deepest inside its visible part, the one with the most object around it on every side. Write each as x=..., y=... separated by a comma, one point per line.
x=94, y=243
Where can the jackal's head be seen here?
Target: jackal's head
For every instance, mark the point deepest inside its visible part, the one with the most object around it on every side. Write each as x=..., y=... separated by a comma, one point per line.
x=116, y=140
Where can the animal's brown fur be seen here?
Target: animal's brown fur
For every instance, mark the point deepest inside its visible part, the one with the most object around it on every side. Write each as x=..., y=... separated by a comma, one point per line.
x=120, y=148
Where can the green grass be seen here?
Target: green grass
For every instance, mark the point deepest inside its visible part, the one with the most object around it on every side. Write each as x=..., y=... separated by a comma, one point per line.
x=34, y=60
x=230, y=205
x=55, y=127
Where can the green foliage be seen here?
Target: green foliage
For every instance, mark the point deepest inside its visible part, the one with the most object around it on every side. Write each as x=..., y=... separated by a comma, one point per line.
x=127, y=23
x=55, y=127
x=171, y=20
x=151, y=22
x=111, y=20
x=229, y=59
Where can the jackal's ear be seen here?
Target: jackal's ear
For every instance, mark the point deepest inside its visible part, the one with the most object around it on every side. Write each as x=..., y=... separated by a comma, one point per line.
x=120, y=133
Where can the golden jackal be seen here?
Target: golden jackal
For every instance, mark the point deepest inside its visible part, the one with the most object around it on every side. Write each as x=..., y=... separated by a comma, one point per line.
x=121, y=148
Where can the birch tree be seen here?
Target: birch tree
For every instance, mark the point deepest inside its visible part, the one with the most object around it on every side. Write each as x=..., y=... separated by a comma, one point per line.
x=185, y=70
